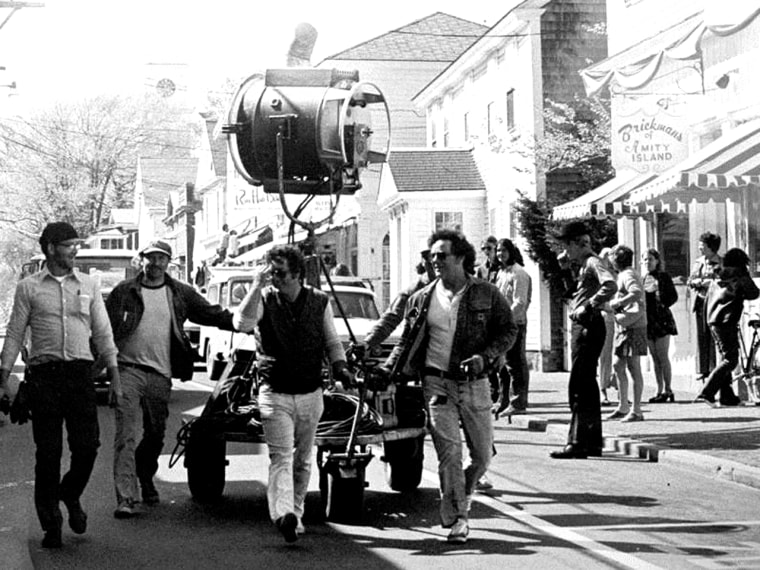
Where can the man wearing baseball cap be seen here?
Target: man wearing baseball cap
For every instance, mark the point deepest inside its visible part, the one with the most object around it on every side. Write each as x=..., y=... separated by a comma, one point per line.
x=591, y=286
x=147, y=315
x=63, y=309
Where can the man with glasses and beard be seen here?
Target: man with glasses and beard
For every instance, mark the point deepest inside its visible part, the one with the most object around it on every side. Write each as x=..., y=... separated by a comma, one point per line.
x=64, y=310
x=457, y=329
x=294, y=330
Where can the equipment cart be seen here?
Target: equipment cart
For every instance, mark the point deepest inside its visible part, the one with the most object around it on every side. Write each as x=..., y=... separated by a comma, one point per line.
x=393, y=417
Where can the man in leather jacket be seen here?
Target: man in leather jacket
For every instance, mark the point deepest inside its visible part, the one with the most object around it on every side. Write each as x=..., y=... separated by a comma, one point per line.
x=457, y=330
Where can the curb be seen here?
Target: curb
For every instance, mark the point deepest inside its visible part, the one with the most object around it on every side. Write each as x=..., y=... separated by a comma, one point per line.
x=707, y=465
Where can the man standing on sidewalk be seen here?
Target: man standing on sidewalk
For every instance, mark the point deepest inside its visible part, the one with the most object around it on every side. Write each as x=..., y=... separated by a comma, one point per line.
x=147, y=314
x=457, y=330
x=64, y=311
x=592, y=286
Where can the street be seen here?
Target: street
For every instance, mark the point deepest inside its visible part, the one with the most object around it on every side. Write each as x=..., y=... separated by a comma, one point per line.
x=613, y=512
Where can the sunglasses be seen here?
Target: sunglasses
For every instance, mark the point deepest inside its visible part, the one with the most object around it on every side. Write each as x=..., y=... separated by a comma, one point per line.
x=439, y=255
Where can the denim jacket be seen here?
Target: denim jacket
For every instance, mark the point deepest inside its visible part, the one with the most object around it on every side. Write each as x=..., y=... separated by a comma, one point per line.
x=484, y=326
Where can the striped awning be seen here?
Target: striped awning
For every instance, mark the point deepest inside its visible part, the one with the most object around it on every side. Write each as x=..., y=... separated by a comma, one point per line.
x=606, y=200
x=714, y=173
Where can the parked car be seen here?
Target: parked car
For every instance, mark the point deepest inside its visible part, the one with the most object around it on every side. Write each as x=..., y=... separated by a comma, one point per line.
x=228, y=288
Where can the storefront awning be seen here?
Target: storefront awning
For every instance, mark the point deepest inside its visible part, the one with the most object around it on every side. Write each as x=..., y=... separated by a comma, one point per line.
x=713, y=173
x=606, y=200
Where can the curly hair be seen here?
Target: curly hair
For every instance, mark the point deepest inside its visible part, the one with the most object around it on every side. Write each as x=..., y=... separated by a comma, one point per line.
x=460, y=247
x=515, y=255
x=711, y=240
x=623, y=256
x=292, y=256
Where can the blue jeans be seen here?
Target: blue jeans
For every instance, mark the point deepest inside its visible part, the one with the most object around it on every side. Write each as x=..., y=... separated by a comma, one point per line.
x=451, y=403
x=290, y=426
x=148, y=392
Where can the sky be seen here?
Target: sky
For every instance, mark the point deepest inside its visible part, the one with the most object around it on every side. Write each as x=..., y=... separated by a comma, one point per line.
x=77, y=48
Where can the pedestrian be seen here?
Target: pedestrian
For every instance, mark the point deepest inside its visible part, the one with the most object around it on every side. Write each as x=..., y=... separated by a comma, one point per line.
x=591, y=285
x=702, y=274
x=516, y=286
x=457, y=329
x=295, y=329
x=147, y=314
x=724, y=304
x=489, y=269
x=221, y=251
x=64, y=311
x=607, y=379
x=630, y=334
x=660, y=295
x=394, y=314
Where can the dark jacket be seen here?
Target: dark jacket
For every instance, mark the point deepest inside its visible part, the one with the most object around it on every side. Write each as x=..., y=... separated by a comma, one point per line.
x=660, y=321
x=125, y=310
x=484, y=326
x=726, y=295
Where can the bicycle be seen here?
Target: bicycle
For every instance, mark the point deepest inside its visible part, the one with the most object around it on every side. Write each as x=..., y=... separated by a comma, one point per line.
x=748, y=378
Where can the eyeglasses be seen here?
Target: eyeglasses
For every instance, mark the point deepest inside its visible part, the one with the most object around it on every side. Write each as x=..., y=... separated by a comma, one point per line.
x=439, y=255
x=279, y=273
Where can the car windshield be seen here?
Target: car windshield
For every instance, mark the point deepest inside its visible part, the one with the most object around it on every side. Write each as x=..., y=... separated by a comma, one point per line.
x=356, y=305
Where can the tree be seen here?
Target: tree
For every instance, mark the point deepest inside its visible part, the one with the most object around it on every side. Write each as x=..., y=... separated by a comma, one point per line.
x=575, y=155
x=76, y=161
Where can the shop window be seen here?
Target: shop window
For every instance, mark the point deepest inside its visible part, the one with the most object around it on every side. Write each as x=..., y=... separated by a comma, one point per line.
x=753, y=227
x=673, y=230
x=448, y=221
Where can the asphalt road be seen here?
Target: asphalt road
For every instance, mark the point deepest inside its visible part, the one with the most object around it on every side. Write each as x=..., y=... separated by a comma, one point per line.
x=613, y=512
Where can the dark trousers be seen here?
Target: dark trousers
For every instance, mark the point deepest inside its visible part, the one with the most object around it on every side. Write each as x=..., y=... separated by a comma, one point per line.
x=62, y=392
x=727, y=341
x=514, y=377
x=586, y=344
x=705, y=348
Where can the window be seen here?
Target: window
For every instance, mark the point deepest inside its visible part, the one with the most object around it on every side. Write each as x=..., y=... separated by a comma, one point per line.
x=673, y=230
x=448, y=221
x=111, y=244
x=491, y=118
x=511, y=109
x=466, y=126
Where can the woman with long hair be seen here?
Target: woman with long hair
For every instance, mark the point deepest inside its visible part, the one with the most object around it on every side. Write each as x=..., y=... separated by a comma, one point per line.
x=660, y=296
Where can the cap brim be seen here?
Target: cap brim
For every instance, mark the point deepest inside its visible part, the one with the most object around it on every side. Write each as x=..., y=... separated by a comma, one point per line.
x=155, y=250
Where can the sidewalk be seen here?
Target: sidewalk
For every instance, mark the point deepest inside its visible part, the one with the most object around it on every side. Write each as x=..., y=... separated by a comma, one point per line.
x=723, y=442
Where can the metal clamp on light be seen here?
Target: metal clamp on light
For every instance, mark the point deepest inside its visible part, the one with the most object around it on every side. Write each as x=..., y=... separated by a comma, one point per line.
x=307, y=131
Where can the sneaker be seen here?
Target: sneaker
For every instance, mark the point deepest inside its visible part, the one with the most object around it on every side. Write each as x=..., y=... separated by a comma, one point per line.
x=483, y=484
x=512, y=411
x=459, y=531
x=52, y=539
x=703, y=399
x=125, y=510
x=616, y=415
x=300, y=529
x=287, y=526
x=633, y=417
x=77, y=517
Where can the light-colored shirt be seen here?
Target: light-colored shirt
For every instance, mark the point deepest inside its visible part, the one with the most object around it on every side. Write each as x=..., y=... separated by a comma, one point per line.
x=151, y=341
x=62, y=316
x=516, y=286
x=442, y=324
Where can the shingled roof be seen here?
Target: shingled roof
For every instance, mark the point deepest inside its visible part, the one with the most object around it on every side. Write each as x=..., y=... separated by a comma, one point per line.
x=438, y=37
x=160, y=175
x=431, y=170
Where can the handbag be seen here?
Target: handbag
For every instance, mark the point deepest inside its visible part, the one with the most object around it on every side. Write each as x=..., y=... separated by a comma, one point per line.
x=20, y=411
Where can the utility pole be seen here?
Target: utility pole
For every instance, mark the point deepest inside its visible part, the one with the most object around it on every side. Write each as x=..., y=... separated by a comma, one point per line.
x=15, y=7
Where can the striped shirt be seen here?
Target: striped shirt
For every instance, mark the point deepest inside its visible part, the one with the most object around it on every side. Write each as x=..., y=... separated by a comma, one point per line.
x=62, y=317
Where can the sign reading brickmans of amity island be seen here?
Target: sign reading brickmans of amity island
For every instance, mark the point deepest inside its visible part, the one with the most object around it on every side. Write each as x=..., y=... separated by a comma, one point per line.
x=648, y=134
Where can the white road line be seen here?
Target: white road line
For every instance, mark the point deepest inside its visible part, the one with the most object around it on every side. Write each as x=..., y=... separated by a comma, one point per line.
x=666, y=525
x=566, y=534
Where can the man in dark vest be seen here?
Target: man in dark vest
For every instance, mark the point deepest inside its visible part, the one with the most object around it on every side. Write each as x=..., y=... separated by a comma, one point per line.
x=295, y=328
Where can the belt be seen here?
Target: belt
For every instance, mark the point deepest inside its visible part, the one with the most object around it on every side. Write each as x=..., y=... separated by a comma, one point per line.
x=445, y=375
x=142, y=367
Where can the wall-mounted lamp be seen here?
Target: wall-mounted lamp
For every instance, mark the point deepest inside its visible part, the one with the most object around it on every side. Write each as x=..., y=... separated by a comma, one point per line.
x=723, y=80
